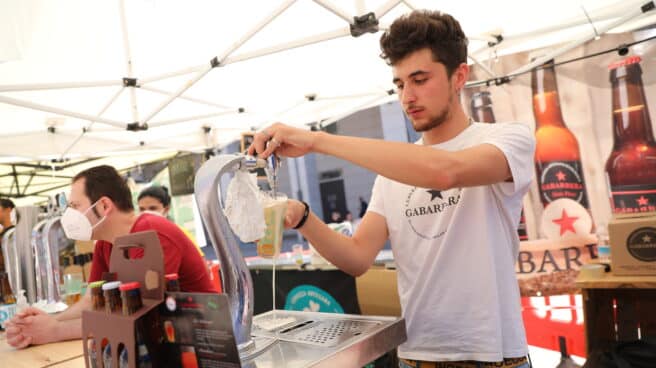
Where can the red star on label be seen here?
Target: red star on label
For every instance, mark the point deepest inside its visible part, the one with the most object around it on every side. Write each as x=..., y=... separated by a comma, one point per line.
x=642, y=201
x=561, y=176
x=566, y=223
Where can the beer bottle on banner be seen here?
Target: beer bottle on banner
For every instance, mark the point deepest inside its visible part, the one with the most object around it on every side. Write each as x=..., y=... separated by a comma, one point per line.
x=631, y=166
x=557, y=157
x=481, y=106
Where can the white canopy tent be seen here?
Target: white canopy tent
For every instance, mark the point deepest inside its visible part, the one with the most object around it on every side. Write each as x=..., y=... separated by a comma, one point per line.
x=140, y=80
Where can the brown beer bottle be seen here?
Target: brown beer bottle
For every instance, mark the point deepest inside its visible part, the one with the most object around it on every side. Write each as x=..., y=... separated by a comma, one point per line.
x=631, y=166
x=6, y=295
x=481, y=107
x=557, y=157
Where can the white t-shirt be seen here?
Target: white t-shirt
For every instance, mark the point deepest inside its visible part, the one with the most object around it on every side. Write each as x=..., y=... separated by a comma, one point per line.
x=455, y=252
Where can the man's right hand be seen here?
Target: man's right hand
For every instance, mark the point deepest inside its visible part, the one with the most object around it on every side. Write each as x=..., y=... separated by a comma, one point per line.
x=284, y=140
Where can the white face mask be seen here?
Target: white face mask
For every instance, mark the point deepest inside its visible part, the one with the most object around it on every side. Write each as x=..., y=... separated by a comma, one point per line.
x=76, y=224
x=154, y=213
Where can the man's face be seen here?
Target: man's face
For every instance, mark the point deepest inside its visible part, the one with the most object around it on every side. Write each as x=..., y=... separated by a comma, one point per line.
x=425, y=91
x=78, y=200
x=5, y=214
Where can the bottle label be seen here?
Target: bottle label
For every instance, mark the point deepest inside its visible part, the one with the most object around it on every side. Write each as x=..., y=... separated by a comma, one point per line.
x=633, y=198
x=561, y=179
x=641, y=243
x=6, y=312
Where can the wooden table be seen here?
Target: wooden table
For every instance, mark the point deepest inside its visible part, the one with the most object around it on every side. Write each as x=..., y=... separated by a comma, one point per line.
x=66, y=354
x=617, y=309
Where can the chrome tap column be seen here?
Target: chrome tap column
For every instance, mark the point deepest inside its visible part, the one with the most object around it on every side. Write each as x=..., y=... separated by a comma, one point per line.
x=235, y=276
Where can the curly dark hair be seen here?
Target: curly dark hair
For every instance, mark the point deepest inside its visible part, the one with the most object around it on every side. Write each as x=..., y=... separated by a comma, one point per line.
x=438, y=31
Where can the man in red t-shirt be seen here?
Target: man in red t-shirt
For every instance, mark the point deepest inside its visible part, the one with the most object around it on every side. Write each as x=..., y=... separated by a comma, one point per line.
x=100, y=208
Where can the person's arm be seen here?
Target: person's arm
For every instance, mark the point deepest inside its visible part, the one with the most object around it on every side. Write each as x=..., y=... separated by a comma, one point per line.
x=353, y=255
x=75, y=310
x=408, y=163
x=42, y=329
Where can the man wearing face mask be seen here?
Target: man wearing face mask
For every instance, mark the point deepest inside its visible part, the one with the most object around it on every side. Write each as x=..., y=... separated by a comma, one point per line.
x=100, y=208
x=7, y=208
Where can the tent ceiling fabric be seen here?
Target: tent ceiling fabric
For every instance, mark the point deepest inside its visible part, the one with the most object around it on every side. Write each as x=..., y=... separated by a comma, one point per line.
x=47, y=44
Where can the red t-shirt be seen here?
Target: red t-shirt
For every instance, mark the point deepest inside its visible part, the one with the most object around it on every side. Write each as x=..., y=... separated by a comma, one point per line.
x=180, y=254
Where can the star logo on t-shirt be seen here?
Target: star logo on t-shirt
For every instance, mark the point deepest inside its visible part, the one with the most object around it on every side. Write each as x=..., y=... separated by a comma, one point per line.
x=642, y=201
x=435, y=193
x=561, y=176
x=566, y=223
x=646, y=239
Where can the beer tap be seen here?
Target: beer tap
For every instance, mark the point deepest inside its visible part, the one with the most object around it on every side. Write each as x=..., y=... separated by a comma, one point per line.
x=235, y=276
x=271, y=169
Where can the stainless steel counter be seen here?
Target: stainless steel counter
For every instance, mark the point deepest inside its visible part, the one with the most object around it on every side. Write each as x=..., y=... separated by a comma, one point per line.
x=313, y=339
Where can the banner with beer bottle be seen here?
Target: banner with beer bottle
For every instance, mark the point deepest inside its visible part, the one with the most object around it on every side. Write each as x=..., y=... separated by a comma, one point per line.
x=602, y=161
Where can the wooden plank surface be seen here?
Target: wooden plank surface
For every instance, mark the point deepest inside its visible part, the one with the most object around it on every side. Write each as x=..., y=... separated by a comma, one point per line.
x=42, y=355
x=610, y=281
x=73, y=363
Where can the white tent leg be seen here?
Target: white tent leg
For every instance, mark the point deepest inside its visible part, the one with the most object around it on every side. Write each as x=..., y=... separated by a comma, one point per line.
x=333, y=8
x=635, y=12
x=410, y=4
x=177, y=93
x=386, y=8
x=100, y=113
x=578, y=21
x=55, y=110
x=183, y=97
x=366, y=104
x=128, y=60
x=229, y=51
x=356, y=95
x=483, y=66
x=290, y=45
x=360, y=7
x=258, y=27
x=168, y=75
x=46, y=86
x=189, y=118
x=226, y=53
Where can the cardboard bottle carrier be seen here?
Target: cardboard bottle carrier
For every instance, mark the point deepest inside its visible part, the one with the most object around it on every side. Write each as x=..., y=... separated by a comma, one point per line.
x=633, y=244
x=118, y=329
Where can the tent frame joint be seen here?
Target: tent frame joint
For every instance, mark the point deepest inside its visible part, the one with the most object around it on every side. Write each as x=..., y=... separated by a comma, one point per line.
x=366, y=23
x=130, y=82
x=136, y=127
x=215, y=62
x=498, y=38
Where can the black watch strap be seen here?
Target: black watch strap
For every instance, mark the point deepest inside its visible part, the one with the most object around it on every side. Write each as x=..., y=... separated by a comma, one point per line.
x=306, y=214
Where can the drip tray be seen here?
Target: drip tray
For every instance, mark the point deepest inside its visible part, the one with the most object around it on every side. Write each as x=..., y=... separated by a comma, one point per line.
x=320, y=329
x=311, y=339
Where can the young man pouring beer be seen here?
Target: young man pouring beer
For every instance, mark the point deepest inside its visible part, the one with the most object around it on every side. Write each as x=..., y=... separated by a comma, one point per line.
x=450, y=204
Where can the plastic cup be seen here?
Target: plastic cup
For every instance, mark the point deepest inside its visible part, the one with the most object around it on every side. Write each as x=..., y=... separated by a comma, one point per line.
x=274, y=217
x=297, y=254
x=73, y=283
